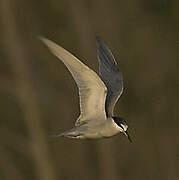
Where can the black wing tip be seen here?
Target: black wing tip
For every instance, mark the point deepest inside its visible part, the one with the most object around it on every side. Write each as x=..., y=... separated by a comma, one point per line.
x=98, y=40
x=101, y=43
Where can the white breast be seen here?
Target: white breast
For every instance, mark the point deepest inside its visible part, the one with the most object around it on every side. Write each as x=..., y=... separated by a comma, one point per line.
x=110, y=128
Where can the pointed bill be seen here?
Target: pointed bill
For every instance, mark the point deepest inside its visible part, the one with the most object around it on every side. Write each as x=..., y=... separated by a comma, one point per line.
x=127, y=134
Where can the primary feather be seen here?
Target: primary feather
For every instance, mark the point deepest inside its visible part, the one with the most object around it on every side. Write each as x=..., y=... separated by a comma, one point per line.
x=111, y=75
x=92, y=91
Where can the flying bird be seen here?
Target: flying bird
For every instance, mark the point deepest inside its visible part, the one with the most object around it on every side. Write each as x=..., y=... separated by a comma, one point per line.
x=98, y=93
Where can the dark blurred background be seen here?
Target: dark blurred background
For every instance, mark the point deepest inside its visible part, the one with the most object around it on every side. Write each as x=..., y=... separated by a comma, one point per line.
x=38, y=96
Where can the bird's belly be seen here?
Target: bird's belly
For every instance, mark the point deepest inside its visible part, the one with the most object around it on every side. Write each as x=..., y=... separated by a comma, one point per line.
x=103, y=130
x=109, y=133
x=110, y=129
x=96, y=135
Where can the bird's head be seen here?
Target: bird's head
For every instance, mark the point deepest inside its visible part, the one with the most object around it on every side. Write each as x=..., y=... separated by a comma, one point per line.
x=122, y=126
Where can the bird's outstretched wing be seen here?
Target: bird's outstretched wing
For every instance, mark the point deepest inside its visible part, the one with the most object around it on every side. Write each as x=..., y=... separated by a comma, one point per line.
x=110, y=74
x=92, y=90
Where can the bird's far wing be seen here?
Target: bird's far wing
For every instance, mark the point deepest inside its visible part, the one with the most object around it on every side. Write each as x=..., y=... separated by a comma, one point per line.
x=110, y=74
x=92, y=90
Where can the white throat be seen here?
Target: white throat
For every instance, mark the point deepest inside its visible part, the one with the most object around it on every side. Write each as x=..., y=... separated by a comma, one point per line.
x=124, y=127
x=118, y=128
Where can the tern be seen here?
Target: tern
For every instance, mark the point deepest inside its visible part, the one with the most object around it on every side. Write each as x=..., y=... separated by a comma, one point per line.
x=98, y=93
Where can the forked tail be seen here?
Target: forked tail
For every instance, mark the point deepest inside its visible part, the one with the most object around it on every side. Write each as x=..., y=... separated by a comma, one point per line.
x=72, y=133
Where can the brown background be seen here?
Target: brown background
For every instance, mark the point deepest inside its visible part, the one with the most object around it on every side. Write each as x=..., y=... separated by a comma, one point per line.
x=38, y=96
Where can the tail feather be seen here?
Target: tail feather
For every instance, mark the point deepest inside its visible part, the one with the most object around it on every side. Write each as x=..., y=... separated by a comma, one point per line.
x=55, y=136
x=72, y=133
